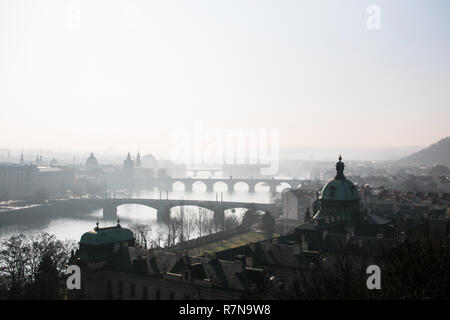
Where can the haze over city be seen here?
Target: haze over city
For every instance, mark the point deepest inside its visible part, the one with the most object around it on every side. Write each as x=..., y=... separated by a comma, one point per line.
x=80, y=76
x=253, y=151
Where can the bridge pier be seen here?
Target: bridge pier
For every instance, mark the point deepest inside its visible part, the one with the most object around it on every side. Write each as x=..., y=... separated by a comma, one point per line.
x=163, y=214
x=188, y=187
x=230, y=187
x=165, y=187
x=251, y=187
x=110, y=212
x=272, y=187
x=219, y=217
x=209, y=187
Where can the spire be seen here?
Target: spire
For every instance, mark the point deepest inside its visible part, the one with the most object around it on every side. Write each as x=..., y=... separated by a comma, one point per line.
x=340, y=169
x=118, y=222
x=129, y=156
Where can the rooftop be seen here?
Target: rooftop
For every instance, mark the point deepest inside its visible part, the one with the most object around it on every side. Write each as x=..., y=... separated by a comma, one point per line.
x=100, y=236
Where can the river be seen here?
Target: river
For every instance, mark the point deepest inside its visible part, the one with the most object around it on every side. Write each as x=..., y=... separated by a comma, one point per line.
x=71, y=228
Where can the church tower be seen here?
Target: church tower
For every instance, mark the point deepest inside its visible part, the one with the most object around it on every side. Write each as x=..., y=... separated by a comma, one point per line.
x=138, y=163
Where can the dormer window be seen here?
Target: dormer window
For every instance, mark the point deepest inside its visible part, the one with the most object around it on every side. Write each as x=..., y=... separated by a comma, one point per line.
x=332, y=191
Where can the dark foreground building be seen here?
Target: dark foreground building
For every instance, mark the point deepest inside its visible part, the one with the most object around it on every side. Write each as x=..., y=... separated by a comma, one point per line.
x=113, y=268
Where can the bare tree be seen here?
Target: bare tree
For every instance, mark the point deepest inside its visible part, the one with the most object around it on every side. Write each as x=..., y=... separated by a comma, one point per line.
x=189, y=223
x=32, y=268
x=14, y=265
x=141, y=232
x=172, y=228
x=231, y=222
x=209, y=224
x=200, y=221
x=250, y=218
x=158, y=237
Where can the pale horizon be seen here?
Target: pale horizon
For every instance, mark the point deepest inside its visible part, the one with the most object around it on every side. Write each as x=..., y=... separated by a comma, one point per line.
x=81, y=76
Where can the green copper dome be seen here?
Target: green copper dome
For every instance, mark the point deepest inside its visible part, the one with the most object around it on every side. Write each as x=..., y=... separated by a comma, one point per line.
x=339, y=188
x=100, y=236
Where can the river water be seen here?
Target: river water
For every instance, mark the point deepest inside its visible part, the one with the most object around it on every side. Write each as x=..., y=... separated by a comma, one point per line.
x=71, y=228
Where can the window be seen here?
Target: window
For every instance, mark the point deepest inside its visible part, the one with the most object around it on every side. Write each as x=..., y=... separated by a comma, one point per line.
x=144, y=293
x=132, y=291
x=332, y=191
x=120, y=287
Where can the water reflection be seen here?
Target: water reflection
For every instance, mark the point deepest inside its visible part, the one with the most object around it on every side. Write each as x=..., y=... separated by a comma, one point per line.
x=73, y=227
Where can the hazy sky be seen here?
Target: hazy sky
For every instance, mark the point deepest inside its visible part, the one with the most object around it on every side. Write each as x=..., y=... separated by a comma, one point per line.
x=95, y=75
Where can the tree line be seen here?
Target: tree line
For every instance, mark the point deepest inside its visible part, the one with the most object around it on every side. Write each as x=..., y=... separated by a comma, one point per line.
x=33, y=268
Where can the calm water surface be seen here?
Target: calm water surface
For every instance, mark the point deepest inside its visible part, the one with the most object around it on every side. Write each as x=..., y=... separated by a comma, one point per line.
x=72, y=228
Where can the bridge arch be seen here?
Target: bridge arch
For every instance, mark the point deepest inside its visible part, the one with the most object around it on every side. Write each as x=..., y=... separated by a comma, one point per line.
x=220, y=186
x=239, y=185
x=283, y=185
x=131, y=212
x=178, y=185
x=199, y=185
x=262, y=186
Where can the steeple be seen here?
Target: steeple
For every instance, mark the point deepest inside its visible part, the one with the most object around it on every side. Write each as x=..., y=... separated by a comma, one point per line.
x=340, y=169
x=138, y=161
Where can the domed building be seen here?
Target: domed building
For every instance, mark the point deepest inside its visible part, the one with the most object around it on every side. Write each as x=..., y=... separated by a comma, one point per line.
x=99, y=245
x=339, y=197
x=91, y=162
x=149, y=161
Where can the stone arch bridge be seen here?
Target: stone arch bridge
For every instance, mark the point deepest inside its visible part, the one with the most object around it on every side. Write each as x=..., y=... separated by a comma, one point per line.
x=163, y=206
x=168, y=182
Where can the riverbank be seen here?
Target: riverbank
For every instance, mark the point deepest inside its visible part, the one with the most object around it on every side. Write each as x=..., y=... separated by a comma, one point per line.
x=36, y=213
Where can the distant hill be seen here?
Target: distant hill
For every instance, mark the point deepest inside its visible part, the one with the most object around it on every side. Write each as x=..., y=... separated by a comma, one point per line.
x=438, y=153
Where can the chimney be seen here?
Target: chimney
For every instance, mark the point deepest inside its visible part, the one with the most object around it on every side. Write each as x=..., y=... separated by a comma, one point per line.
x=242, y=258
x=211, y=257
x=305, y=245
x=249, y=261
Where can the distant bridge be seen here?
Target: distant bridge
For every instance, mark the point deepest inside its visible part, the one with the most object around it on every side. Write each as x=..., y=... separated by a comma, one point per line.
x=163, y=206
x=166, y=183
